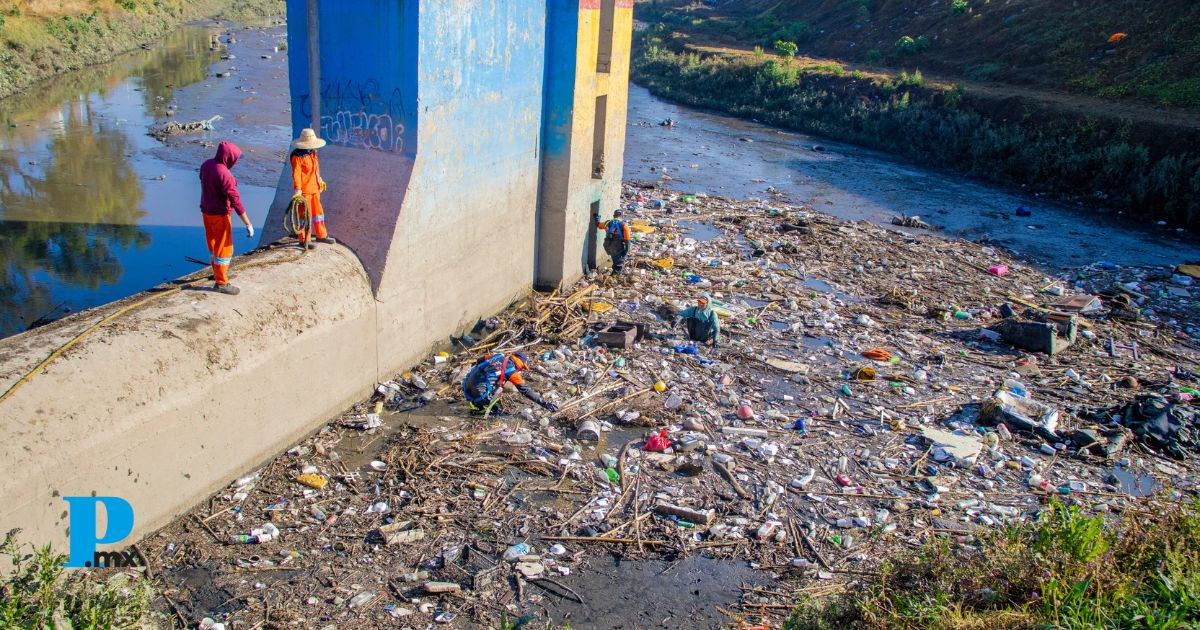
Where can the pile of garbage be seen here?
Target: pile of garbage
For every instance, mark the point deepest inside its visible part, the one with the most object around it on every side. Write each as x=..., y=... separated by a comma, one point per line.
x=870, y=389
x=173, y=128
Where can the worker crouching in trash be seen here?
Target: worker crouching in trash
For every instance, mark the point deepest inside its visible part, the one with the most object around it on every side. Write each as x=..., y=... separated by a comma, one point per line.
x=701, y=322
x=484, y=383
x=218, y=197
x=308, y=185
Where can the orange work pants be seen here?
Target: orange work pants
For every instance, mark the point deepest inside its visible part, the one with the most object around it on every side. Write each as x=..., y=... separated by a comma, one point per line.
x=218, y=231
x=318, y=217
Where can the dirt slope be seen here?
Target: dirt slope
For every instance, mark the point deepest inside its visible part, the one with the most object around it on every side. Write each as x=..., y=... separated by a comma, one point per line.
x=1153, y=57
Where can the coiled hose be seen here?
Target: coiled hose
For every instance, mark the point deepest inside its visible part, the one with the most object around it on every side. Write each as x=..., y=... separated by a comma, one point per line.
x=296, y=216
x=297, y=220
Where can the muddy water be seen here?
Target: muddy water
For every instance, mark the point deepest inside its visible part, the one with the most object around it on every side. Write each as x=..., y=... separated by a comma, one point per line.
x=655, y=594
x=720, y=155
x=90, y=211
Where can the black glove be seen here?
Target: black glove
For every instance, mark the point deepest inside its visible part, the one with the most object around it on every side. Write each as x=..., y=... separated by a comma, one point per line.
x=535, y=397
x=549, y=406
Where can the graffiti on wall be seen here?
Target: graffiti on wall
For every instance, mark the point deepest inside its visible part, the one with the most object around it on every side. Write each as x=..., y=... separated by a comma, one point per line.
x=357, y=114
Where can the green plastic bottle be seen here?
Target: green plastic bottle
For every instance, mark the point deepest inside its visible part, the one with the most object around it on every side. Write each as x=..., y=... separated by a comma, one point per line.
x=613, y=475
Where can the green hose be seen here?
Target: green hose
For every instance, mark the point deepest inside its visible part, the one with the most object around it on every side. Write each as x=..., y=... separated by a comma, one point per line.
x=297, y=220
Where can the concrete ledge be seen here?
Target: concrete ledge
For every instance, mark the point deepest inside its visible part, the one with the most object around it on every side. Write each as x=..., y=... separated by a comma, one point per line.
x=171, y=401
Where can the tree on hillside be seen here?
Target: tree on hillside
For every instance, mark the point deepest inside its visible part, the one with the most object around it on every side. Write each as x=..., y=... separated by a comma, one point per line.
x=788, y=49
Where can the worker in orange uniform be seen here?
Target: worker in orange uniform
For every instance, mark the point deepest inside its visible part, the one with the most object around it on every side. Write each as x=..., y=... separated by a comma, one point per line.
x=616, y=239
x=218, y=197
x=307, y=183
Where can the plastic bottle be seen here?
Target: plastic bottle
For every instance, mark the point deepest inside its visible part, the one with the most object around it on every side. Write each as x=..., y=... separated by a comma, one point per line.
x=521, y=437
x=361, y=598
x=1015, y=387
x=613, y=475
x=802, y=482
x=516, y=551
x=767, y=529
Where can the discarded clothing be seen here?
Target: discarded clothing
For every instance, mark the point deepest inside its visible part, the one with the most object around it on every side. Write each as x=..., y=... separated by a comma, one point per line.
x=1162, y=425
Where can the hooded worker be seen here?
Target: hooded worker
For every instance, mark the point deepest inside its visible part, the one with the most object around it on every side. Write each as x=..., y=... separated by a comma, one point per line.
x=484, y=383
x=616, y=239
x=308, y=185
x=701, y=321
x=218, y=198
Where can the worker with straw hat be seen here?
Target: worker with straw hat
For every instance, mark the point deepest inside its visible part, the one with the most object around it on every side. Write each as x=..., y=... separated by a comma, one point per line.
x=307, y=184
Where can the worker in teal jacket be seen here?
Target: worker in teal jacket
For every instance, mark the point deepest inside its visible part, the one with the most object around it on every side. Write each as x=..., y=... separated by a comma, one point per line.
x=701, y=322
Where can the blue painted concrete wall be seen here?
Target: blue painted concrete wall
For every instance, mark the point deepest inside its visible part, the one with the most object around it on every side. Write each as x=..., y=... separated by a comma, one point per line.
x=368, y=72
x=464, y=244
x=562, y=27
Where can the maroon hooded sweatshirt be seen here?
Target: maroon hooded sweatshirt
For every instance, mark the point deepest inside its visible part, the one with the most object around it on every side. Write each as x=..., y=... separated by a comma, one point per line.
x=218, y=186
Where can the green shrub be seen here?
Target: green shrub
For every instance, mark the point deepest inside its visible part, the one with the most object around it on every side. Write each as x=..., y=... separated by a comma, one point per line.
x=959, y=7
x=1065, y=571
x=787, y=49
x=37, y=594
x=873, y=56
x=909, y=46
x=916, y=78
x=792, y=32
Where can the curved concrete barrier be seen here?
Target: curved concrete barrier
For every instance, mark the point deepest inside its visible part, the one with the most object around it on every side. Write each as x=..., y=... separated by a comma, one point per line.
x=173, y=400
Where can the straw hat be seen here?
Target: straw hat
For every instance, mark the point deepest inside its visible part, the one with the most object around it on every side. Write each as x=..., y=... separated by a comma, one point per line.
x=308, y=140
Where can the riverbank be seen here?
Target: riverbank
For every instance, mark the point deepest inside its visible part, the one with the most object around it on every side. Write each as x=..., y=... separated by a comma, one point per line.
x=1145, y=170
x=36, y=45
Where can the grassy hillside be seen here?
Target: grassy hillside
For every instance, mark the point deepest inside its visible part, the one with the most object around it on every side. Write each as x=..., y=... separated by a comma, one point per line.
x=1115, y=49
x=1149, y=169
x=42, y=38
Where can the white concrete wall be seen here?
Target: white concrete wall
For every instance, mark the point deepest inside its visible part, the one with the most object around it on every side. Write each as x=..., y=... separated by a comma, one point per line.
x=177, y=398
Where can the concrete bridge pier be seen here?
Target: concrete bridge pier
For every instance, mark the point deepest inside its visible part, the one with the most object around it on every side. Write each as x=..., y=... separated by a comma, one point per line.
x=470, y=141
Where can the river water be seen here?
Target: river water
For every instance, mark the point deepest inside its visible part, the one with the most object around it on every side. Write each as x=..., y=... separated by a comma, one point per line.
x=89, y=213
x=93, y=209
x=720, y=155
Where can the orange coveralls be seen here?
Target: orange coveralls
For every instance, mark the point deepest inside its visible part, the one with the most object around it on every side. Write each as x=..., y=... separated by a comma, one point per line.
x=306, y=177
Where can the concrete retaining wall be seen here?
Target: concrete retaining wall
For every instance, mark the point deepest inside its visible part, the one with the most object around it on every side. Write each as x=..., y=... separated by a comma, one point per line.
x=173, y=400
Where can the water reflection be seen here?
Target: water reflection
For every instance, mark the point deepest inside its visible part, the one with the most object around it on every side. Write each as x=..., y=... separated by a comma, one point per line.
x=71, y=199
x=180, y=60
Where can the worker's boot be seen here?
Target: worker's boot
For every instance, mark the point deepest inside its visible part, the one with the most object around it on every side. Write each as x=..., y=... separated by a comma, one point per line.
x=227, y=289
x=329, y=240
x=305, y=245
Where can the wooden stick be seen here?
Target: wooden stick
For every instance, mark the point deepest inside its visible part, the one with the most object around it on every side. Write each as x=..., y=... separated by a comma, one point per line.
x=572, y=403
x=207, y=528
x=600, y=539
x=615, y=402
x=728, y=476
